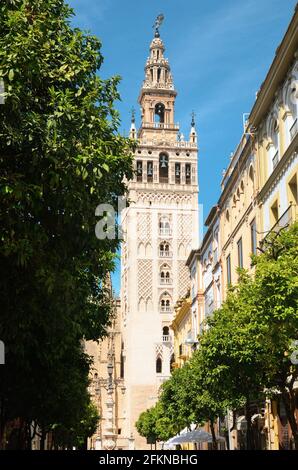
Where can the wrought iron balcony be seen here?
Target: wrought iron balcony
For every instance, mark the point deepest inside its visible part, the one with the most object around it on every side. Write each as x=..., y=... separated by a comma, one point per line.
x=285, y=220
x=275, y=160
x=293, y=130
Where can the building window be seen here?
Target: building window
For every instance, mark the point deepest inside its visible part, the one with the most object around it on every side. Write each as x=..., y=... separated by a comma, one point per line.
x=187, y=173
x=149, y=172
x=165, y=303
x=253, y=237
x=274, y=213
x=164, y=226
x=158, y=365
x=163, y=168
x=177, y=173
x=293, y=190
x=164, y=250
x=172, y=361
x=165, y=334
x=240, y=253
x=139, y=170
x=229, y=277
x=165, y=277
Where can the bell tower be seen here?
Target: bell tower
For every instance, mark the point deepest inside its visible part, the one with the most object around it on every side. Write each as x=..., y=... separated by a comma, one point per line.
x=160, y=228
x=157, y=97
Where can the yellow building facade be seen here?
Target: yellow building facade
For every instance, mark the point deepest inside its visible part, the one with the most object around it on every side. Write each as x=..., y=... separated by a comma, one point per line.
x=258, y=195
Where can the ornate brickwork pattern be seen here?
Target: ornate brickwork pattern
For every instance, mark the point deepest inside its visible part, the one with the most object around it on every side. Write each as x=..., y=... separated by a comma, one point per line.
x=169, y=199
x=145, y=279
x=184, y=278
x=184, y=226
x=159, y=350
x=144, y=226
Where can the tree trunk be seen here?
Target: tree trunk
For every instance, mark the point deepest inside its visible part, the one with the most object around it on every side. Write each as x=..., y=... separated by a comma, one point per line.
x=42, y=440
x=2, y=425
x=249, y=437
x=289, y=404
x=214, y=443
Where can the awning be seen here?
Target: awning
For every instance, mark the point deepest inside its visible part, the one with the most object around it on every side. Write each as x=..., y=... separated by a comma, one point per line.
x=196, y=435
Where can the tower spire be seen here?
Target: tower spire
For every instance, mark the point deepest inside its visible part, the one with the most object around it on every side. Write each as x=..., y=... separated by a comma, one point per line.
x=193, y=132
x=133, y=131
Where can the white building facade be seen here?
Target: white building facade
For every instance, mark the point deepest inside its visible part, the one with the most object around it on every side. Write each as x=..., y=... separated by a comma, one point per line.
x=160, y=228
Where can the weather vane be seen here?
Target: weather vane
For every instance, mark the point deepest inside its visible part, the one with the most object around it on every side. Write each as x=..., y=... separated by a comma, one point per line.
x=193, y=115
x=157, y=24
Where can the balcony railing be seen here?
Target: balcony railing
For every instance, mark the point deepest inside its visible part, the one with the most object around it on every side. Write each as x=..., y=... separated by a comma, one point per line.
x=165, y=231
x=275, y=160
x=294, y=129
x=166, y=309
x=165, y=280
x=166, y=338
x=165, y=254
x=285, y=220
x=160, y=125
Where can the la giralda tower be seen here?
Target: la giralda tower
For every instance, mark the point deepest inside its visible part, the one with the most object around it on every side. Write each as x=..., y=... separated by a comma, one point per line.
x=160, y=228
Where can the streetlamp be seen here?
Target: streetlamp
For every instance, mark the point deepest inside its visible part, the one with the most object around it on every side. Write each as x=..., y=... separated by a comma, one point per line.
x=191, y=342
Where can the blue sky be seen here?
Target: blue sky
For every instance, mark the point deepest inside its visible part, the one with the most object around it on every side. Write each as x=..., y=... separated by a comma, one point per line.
x=219, y=52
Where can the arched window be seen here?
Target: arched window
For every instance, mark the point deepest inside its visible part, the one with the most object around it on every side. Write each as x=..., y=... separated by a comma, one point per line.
x=164, y=226
x=273, y=136
x=159, y=112
x=165, y=333
x=290, y=99
x=158, y=76
x=158, y=365
x=165, y=303
x=163, y=168
x=164, y=250
x=165, y=277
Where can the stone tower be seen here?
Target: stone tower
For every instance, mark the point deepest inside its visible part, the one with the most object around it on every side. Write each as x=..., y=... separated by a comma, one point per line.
x=160, y=228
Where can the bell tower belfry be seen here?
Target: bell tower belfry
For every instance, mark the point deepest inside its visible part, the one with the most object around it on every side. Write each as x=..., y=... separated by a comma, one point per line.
x=160, y=228
x=157, y=97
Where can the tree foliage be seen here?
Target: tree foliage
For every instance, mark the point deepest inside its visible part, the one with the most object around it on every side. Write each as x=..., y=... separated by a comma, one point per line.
x=247, y=353
x=60, y=156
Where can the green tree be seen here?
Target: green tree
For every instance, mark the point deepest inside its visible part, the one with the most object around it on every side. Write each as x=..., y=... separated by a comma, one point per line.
x=146, y=424
x=60, y=156
x=276, y=296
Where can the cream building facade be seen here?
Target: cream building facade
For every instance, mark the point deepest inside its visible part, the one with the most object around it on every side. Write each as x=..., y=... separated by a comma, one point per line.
x=160, y=228
x=258, y=195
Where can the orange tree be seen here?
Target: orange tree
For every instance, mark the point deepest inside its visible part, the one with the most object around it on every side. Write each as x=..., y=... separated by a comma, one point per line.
x=60, y=156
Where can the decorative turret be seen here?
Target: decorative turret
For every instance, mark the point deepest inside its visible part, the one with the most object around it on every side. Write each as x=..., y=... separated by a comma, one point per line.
x=157, y=69
x=157, y=97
